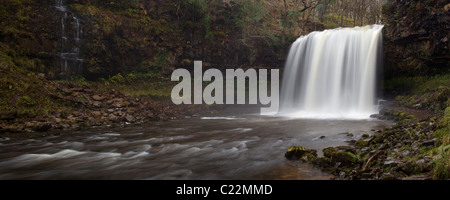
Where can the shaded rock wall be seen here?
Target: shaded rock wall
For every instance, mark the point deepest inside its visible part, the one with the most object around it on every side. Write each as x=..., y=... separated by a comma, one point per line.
x=416, y=37
x=124, y=36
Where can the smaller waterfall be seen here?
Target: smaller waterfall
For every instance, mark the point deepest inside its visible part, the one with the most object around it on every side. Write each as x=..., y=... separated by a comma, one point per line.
x=60, y=5
x=71, y=62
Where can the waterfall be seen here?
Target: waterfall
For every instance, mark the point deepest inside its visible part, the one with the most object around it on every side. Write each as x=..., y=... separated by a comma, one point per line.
x=332, y=74
x=71, y=62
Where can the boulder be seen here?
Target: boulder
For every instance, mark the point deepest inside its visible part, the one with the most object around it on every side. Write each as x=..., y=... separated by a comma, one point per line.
x=299, y=152
x=98, y=98
x=339, y=155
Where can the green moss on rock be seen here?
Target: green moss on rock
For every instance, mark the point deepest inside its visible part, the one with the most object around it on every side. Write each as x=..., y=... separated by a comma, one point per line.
x=299, y=152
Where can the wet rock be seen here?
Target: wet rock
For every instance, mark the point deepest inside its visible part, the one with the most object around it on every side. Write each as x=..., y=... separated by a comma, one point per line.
x=42, y=127
x=342, y=175
x=98, y=98
x=338, y=154
x=378, y=116
x=130, y=118
x=75, y=127
x=65, y=126
x=390, y=176
x=97, y=104
x=97, y=113
x=150, y=115
x=429, y=142
x=113, y=118
x=405, y=153
x=391, y=162
x=299, y=152
x=377, y=139
x=419, y=177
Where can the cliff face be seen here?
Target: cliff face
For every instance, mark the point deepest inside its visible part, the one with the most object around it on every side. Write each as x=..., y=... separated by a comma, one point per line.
x=96, y=38
x=416, y=37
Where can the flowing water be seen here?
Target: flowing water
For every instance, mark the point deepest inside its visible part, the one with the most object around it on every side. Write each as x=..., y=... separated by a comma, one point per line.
x=71, y=61
x=332, y=74
x=221, y=147
x=328, y=74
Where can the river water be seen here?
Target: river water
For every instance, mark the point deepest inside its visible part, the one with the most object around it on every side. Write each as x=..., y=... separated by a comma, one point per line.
x=219, y=147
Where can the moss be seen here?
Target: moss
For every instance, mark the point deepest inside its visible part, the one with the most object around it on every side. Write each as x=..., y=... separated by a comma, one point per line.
x=299, y=152
x=361, y=143
x=335, y=155
x=441, y=162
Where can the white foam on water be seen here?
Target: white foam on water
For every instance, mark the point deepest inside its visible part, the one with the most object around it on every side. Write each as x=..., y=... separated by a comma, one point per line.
x=221, y=118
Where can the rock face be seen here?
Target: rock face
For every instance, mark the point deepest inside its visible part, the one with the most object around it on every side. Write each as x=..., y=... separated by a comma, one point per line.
x=135, y=36
x=416, y=37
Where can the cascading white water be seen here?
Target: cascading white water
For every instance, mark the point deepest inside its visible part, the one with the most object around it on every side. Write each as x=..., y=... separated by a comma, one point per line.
x=70, y=50
x=332, y=74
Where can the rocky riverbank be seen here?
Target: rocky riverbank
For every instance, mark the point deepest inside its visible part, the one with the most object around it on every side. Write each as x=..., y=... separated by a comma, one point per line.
x=409, y=150
x=57, y=106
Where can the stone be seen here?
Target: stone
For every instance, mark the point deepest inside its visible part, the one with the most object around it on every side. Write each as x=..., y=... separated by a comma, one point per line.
x=342, y=175
x=391, y=162
x=98, y=98
x=65, y=126
x=429, y=142
x=129, y=118
x=419, y=162
x=365, y=149
x=97, y=104
x=150, y=115
x=42, y=127
x=299, y=152
x=97, y=113
x=117, y=105
x=406, y=153
x=419, y=177
x=338, y=155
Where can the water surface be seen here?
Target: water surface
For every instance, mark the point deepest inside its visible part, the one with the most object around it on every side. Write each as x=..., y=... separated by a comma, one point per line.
x=214, y=147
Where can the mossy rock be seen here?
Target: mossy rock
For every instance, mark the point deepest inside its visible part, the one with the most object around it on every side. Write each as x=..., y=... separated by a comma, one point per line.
x=299, y=152
x=336, y=155
x=377, y=139
x=361, y=143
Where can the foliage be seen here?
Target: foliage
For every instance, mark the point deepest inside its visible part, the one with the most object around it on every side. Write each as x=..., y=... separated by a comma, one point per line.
x=78, y=79
x=161, y=59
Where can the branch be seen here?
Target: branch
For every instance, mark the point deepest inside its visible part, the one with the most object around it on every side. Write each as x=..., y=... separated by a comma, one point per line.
x=370, y=159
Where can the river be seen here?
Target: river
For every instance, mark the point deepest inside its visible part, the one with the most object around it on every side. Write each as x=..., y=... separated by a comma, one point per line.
x=241, y=146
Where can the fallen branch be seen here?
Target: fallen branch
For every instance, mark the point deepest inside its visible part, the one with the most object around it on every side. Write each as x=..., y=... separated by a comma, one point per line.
x=370, y=159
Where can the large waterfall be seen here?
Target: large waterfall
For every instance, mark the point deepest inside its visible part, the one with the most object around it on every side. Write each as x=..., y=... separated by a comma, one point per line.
x=332, y=74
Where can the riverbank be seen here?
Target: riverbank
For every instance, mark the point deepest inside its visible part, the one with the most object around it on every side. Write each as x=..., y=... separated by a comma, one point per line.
x=417, y=147
x=32, y=106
